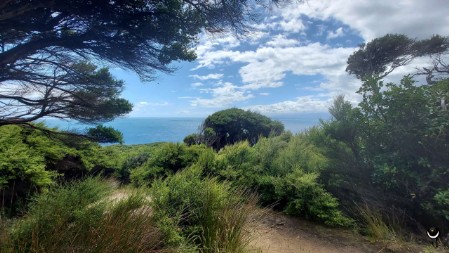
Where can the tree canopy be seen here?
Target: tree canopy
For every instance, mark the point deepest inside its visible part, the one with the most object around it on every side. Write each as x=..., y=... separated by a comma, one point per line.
x=382, y=55
x=234, y=125
x=50, y=49
x=391, y=149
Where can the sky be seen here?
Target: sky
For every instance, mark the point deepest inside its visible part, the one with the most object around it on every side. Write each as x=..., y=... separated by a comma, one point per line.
x=291, y=63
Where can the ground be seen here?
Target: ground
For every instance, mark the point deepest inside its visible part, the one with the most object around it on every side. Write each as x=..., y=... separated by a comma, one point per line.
x=275, y=232
x=279, y=233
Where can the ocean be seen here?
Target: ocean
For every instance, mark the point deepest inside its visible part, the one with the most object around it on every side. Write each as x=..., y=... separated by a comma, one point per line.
x=150, y=130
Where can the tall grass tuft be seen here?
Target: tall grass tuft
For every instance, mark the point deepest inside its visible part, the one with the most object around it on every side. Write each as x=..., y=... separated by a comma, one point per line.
x=376, y=228
x=79, y=218
x=225, y=229
x=207, y=214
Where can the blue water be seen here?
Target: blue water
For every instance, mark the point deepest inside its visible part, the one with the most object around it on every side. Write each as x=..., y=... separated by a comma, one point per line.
x=149, y=130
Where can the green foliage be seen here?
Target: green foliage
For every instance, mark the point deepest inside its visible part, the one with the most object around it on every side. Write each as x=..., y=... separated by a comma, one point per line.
x=104, y=134
x=19, y=162
x=201, y=211
x=306, y=197
x=395, y=144
x=441, y=200
x=144, y=36
x=191, y=139
x=382, y=55
x=33, y=160
x=77, y=217
x=285, y=171
x=166, y=160
x=376, y=228
x=234, y=125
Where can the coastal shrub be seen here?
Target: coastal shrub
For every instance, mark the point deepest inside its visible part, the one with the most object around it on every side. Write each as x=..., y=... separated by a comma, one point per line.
x=285, y=172
x=124, y=172
x=305, y=197
x=191, y=139
x=235, y=164
x=79, y=217
x=167, y=159
x=235, y=125
x=34, y=159
x=202, y=212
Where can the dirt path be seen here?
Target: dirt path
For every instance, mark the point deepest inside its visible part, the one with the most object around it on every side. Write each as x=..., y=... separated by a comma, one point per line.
x=278, y=233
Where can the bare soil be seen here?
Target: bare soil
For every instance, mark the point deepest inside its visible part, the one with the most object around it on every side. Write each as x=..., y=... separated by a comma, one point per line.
x=279, y=233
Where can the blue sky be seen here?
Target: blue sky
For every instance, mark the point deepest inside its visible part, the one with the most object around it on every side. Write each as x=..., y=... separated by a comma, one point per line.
x=293, y=62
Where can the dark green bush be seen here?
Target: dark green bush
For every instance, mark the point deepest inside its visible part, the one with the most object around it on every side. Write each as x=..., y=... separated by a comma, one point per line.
x=234, y=125
x=285, y=172
x=167, y=159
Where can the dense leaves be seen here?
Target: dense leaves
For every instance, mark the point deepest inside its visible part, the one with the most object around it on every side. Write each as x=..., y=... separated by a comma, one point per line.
x=382, y=55
x=105, y=134
x=45, y=46
x=33, y=160
x=397, y=143
x=234, y=125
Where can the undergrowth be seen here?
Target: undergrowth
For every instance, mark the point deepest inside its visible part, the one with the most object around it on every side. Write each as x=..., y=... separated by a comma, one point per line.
x=79, y=217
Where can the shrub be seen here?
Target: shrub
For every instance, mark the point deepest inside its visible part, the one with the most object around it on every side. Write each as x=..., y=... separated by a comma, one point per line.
x=191, y=139
x=77, y=218
x=208, y=214
x=104, y=134
x=284, y=172
x=166, y=160
x=307, y=198
x=133, y=162
x=234, y=125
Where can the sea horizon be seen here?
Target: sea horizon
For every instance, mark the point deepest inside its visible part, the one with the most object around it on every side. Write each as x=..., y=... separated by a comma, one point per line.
x=145, y=130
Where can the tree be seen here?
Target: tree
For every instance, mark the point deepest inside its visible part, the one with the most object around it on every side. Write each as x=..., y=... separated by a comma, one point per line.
x=105, y=134
x=234, y=125
x=382, y=55
x=49, y=50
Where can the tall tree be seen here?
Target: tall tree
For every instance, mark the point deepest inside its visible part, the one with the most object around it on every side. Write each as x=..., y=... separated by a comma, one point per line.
x=49, y=49
x=382, y=55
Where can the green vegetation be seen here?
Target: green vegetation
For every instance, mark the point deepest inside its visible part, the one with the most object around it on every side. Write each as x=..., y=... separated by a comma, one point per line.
x=166, y=160
x=233, y=125
x=386, y=154
x=78, y=217
x=209, y=214
x=57, y=60
x=104, y=134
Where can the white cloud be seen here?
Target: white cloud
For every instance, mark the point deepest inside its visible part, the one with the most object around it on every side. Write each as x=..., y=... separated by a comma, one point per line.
x=264, y=93
x=207, y=77
x=281, y=40
x=299, y=105
x=267, y=65
x=338, y=33
x=373, y=19
x=146, y=103
x=146, y=108
x=227, y=94
x=292, y=25
x=197, y=84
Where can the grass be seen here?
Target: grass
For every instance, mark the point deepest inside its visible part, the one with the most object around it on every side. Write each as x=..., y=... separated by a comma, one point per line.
x=205, y=215
x=389, y=234
x=209, y=215
x=76, y=218
x=226, y=229
x=376, y=228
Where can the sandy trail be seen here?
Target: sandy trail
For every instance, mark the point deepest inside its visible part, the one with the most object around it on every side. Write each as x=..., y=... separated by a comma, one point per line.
x=274, y=232
x=278, y=233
